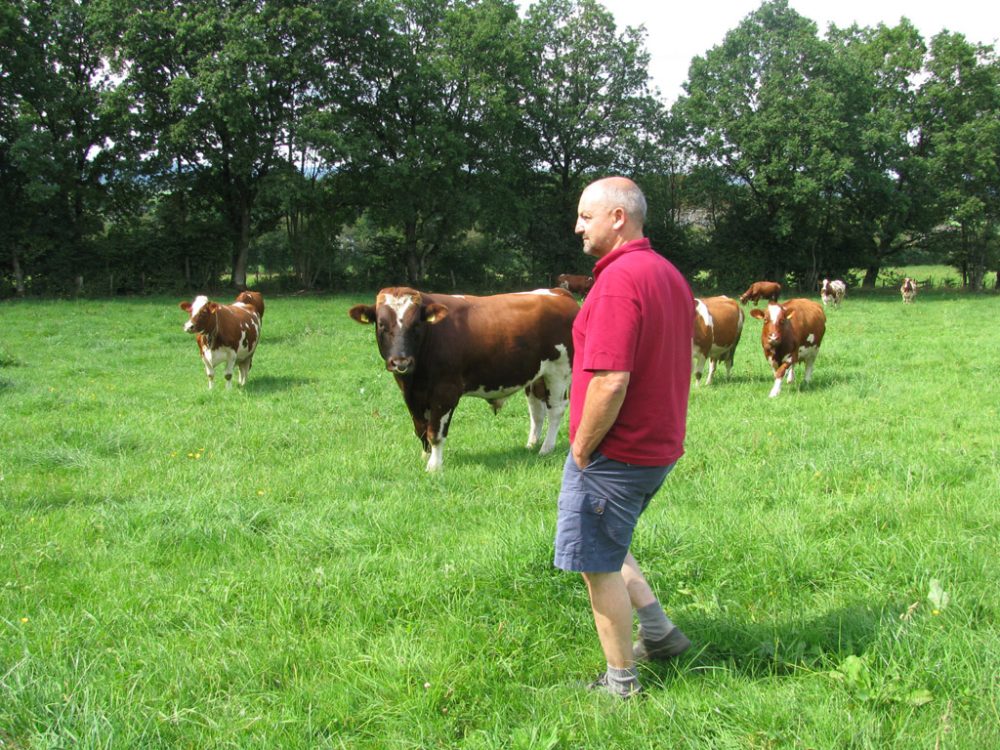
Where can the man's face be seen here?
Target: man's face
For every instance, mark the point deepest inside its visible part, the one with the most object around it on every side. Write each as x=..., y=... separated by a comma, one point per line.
x=597, y=221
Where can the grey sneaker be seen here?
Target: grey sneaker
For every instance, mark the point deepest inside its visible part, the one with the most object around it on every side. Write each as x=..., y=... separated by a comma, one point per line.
x=625, y=692
x=671, y=645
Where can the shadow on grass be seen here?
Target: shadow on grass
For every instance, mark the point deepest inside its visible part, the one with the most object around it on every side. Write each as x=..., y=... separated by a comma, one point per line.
x=761, y=650
x=274, y=383
x=507, y=457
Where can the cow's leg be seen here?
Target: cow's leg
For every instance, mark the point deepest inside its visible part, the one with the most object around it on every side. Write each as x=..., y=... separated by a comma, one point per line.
x=712, y=364
x=437, y=431
x=557, y=376
x=244, y=370
x=206, y=359
x=780, y=372
x=699, y=366
x=230, y=364
x=536, y=413
x=809, y=357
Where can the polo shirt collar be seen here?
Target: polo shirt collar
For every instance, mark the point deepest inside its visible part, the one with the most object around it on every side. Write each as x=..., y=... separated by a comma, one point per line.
x=629, y=247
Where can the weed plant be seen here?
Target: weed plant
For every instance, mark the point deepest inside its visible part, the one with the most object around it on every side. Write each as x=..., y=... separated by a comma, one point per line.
x=273, y=568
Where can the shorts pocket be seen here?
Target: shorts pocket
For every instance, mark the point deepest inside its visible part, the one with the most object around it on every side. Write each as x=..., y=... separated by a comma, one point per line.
x=582, y=502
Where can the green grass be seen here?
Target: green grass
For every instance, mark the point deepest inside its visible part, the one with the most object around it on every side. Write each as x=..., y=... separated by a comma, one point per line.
x=272, y=567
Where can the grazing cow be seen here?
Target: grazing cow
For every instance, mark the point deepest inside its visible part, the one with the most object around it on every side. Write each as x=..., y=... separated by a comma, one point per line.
x=575, y=283
x=253, y=300
x=769, y=290
x=225, y=333
x=441, y=347
x=832, y=292
x=718, y=326
x=791, y=332
x=908, y=290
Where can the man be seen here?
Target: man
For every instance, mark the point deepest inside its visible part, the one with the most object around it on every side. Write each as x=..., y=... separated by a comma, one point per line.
x=628, y=408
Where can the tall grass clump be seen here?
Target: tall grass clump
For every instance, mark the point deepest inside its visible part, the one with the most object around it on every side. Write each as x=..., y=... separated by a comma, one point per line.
x=272, y=567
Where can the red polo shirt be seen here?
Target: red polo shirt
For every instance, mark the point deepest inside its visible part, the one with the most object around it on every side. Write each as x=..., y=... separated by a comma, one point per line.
x=639, y=318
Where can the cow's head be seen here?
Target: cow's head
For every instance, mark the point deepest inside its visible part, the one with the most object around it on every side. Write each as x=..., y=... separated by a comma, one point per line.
x=776, y=323
x=202, y=315
x=401, y=317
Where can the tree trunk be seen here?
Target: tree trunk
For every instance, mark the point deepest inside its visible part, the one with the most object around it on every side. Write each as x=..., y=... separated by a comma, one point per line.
x=413, y=265
x=239, y=280
x=871, y=274
x=18, y=274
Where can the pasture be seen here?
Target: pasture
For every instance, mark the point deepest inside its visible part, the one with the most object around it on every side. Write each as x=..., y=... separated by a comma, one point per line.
x=272, y=568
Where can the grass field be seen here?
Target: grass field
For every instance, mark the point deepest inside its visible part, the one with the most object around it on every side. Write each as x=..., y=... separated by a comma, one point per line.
x=272, y=567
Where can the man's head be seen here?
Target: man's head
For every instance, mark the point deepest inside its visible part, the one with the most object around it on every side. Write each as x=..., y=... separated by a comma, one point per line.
x=611, y=212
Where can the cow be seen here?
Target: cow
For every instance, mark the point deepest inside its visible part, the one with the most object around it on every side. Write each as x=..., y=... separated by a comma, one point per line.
x=792, y=332
x=769, y=290
x=718, y=325
x=575, y=283
x=442, y=347
x=252, y=299
x=225, y=333
x=908, y=290
x=832, y=292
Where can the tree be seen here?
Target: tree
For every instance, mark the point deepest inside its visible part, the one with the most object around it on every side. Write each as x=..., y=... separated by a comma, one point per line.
x=220, y=89
x=886, y=196
x=763, y=111
x=960, y=118
x=422, y=120
x=585, y=104
x=57, y=136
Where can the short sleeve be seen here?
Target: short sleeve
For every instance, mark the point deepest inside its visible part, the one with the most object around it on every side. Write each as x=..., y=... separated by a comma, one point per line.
x=612, y=341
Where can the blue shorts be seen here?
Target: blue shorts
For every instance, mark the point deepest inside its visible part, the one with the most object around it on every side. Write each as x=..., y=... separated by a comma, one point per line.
x=598, y=510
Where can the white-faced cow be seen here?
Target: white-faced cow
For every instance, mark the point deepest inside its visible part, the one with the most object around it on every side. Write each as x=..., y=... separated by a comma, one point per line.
x=832, y=292
x=769, y=290
x=225, y=333
x=792, y=332
x=442, y=347
x=575, y=283
x=718, y=326
x=908, y=290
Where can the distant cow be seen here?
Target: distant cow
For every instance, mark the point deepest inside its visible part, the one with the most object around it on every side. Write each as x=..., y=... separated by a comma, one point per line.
x=441, y=347
x=574, y=283
x=908, y=290
x=718, y=326
x=251, y=299
x=832, y=292
x=769, y=290
x=225, y=333
x=791, y=332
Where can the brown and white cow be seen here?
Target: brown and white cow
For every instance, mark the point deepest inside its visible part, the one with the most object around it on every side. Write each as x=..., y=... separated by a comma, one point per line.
x=908, y=290
x=718, y=325
x=769, y=290
x=225, y=333
x=251, y=299
x=575, y=283
x=441, y=347
x=792, y=332
x=832, y=292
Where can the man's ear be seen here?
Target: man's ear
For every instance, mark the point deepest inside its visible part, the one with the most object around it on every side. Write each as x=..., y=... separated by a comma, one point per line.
x=363, y=313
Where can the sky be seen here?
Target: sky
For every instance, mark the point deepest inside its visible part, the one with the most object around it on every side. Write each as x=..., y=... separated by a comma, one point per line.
x=676, y=32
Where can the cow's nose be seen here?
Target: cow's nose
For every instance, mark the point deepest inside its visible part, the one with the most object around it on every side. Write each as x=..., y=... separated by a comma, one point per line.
x=399, y=365
x=188, y=327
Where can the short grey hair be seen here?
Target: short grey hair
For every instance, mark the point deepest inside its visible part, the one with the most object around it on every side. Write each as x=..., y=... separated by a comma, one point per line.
x=627, y=195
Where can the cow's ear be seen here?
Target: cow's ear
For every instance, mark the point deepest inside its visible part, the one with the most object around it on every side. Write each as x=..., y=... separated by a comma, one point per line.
x=185, y=306
x=757, y=313
x=363, y=313
x=212, y=307
x=435, y=313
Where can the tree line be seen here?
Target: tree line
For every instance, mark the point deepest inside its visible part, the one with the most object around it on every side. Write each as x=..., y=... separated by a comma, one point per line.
x=156, y=145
